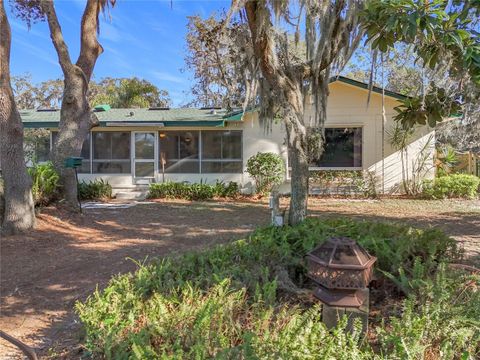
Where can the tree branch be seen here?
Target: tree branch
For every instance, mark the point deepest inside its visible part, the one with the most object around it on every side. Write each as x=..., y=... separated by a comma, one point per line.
x=90, y=48
x=57, y=37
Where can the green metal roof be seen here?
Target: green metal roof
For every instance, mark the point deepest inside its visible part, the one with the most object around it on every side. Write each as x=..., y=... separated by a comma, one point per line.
x=180, y=117
x=171, y=117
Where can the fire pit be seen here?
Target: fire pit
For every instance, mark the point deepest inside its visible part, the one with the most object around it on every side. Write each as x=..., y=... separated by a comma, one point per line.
x=342, y=269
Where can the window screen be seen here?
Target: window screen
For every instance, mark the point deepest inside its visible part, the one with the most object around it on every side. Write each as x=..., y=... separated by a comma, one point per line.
x=179, y=151
x=222, y=151
x=111, y=152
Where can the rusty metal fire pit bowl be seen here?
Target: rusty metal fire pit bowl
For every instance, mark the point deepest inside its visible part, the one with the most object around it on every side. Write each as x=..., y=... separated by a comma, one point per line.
x=342, y=269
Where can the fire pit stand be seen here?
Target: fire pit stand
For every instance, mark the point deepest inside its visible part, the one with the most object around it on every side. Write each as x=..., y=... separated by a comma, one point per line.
x=342, y=270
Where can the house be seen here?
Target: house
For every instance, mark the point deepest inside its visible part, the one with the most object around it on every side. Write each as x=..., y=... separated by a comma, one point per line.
x=133, y=147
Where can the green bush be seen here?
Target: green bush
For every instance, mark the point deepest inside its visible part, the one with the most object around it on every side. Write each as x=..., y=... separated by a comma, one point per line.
x=345, y=182
x=95, y=190
x=267, y=170
x=441, y=322
x=241, y=300
x=195, y=191
x=452, y=186
x=45, y=183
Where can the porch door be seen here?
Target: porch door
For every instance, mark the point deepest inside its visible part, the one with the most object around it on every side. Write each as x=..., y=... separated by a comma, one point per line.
x=144, y=155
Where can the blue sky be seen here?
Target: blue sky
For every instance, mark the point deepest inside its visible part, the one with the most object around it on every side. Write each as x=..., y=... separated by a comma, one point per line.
x=140, y=38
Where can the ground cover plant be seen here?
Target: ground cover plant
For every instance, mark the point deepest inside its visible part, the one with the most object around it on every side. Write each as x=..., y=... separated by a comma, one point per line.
x=94, y=190
x=250, y=299
x=452, y=186
x=45, y=183
x=193, y=191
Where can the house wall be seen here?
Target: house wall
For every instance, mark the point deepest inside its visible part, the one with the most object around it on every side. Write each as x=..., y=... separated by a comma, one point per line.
x=348, y=106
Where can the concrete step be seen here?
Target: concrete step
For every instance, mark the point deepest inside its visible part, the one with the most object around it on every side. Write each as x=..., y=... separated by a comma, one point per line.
x=131, y=195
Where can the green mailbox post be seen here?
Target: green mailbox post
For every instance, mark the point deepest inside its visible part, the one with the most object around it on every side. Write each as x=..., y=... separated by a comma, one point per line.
x=74, y=163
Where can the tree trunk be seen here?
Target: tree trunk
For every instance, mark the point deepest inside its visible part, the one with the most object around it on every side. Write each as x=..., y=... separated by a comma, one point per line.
x=76, y=120
x=19, y=210
x=298, y=151
x=76, y=117
x=299, y=186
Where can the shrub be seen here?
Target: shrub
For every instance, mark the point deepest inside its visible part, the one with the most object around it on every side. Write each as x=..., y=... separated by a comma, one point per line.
x=267, y=170
x=195, y=191
x=452, y=186
x=240, y=300
x=45, y=183
x=441, y=322
x=346, y=182
x=94, y=190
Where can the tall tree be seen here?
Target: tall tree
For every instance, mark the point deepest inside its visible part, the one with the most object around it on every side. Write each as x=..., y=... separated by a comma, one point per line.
x=218, y=54
x=47, y=94
x=332, y=32
x=19, y=212
x=127, y=93
x=76, y=117
x=24, y=91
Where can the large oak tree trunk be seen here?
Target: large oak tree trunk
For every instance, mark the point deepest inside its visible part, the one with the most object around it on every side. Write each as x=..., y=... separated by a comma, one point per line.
x=76, y=117
x=19, y=211
x=299, y=178
x=76, y=122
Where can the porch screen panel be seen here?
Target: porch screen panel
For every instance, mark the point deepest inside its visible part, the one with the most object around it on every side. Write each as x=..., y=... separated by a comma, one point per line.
x=179, y=152
x=111, y=152
x=222, y=151
x=343, y=149
x=85, y=154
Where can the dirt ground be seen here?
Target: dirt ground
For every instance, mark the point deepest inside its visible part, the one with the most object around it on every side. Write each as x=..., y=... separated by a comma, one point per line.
x=68, y=256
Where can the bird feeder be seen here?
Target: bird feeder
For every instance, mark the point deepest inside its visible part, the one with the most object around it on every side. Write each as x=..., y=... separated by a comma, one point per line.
x=342, y=270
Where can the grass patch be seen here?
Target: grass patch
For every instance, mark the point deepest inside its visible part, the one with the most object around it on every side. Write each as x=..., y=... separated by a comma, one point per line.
x=250, y=300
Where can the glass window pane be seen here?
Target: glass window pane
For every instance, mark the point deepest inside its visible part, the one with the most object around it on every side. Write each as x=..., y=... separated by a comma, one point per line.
x=232, y=145
x=111, y=167
x=111, y=152
x=144, y=169
x=111, y=145
x=182, y=166
x=231, y=167
x=179, y=151
x=222, y=151
x=144, y=145
x=42, y=149
x=343, y=148
x=211, y=144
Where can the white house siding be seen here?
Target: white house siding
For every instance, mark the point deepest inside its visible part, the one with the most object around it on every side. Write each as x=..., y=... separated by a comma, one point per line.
x=347, y=107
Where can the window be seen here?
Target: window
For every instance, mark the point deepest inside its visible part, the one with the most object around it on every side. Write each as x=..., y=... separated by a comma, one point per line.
x=111, y=152
x=85, y=154
x=41, y=149
x=179, y=151
x=222, y=151
x=343, y=149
